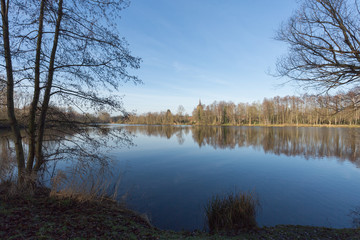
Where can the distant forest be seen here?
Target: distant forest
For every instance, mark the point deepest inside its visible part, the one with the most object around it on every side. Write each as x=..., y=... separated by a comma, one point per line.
x=338, y=109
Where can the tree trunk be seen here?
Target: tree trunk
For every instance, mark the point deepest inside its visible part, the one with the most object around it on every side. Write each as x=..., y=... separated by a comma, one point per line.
x=45, y=105
x=20, y=159
x=34, y=103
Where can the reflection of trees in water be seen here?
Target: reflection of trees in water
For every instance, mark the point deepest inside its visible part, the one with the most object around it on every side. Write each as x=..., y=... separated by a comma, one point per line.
x=159, y=130
x=7, y=159
x=86, y=146
x=355, y=216
x=342, y=143
x=180, y=137
x=308, y=142
x=218, y=137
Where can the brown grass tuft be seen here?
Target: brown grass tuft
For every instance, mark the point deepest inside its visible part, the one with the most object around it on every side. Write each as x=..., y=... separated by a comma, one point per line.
x=232, y=212
x=83, y=188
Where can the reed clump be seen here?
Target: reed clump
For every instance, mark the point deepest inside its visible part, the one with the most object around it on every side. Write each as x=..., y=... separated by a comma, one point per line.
x=232, y=212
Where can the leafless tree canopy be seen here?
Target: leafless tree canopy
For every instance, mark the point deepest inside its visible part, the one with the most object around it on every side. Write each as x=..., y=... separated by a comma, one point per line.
x=90, y=53
x=64, y=52
x=324, y=44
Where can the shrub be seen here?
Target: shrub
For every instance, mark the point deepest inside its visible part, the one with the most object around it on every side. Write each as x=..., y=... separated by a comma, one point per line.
x=232, y=212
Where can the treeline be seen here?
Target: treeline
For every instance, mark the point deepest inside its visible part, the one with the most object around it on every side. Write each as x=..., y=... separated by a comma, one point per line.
x=57, y=116
x=339, y=109
x=154, y=118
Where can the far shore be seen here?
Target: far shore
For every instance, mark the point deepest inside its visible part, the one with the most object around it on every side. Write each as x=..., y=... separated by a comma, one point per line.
x=252, y=125
x=8, y=127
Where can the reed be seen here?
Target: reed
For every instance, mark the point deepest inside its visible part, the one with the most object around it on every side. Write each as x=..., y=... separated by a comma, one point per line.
x=232, y=212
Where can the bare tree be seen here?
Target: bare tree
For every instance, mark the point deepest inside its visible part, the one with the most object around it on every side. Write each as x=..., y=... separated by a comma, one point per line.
x=63, y=53
x=324, y=44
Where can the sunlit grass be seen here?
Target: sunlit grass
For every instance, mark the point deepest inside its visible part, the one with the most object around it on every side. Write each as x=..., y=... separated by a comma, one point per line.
x=83, y=186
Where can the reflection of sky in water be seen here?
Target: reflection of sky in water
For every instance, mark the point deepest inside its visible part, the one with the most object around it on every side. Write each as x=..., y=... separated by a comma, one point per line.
x=172, y=182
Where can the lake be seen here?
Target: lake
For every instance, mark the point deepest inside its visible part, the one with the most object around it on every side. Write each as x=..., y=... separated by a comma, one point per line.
x=302, y=175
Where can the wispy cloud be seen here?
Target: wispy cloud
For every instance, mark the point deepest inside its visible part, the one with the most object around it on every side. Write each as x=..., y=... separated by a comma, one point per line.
x=181, y=67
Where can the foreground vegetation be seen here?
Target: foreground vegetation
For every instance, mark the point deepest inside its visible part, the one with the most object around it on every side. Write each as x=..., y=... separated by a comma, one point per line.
x=42, y=216
x=233, y=212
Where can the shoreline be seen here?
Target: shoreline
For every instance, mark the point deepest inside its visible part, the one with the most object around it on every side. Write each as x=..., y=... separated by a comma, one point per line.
x=45, y=216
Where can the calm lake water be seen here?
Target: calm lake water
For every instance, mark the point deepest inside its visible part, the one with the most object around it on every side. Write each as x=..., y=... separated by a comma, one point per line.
x=307, y=176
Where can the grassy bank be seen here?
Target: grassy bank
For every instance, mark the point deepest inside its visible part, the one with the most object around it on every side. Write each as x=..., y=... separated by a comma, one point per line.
x=40, y=216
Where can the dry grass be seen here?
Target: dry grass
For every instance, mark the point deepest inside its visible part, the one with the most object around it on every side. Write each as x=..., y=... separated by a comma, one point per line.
x=78, y=183
x=8, y=176
x=83, y=187
x=232, y=212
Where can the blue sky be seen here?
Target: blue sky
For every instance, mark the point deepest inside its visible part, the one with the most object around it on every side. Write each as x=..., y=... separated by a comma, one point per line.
x=203, y=49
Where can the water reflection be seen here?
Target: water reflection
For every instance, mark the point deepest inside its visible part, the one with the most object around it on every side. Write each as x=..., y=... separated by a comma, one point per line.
x=85, y=145
x=7, y=160
x=163, y=176
x=355, y=215
x=309, y=142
